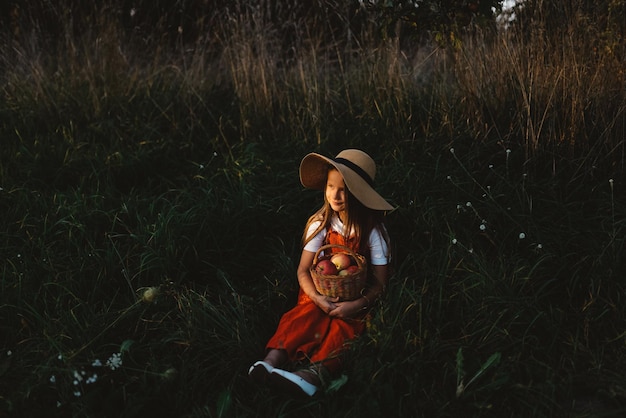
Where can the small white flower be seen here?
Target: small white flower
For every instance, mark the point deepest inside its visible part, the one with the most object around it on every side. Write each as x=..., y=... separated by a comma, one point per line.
x=468, y=204
x=449, y=178
x=471, y=251
x=92, y=379
x=522, y=235
x=53, y=379
x=77, y=393
x=452, y=150
x=133, y=12
x=96, y=363
x=60, y=357
x=611, y=182
x=215, y=153
x=490, y=166
x=9, y=353
x=539, y=246
x=77, y=377
x=115, y=361
x=482, y=227
x=454, y=241
x=508, y=151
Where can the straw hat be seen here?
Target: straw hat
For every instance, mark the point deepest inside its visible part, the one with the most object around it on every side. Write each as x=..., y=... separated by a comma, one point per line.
x=358, y=171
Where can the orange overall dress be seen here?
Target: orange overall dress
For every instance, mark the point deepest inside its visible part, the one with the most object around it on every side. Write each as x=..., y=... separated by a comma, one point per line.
x=308, y=334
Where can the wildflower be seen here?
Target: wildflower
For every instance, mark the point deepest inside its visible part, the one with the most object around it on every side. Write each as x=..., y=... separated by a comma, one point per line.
x=468, y=204
x=9, y=352
x=452, y=150
x=115, y=361
x=96, y=363
x=508, y=151
x=454, y=241
x=490, y=166
x=133, y=12
x=522, y=235
x=53, y=379
x=449, y=178
x=539, y=246
x=201, y=166
x=92, y=379
x=60, y=357
x=77, y=377
x=77, y=393
x=482, y=227
x=215, y=153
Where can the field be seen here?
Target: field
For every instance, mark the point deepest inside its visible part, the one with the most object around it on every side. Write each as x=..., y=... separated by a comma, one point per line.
x=152, y=215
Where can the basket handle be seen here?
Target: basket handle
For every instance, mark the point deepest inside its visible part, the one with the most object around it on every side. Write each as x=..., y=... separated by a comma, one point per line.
x=354, y=255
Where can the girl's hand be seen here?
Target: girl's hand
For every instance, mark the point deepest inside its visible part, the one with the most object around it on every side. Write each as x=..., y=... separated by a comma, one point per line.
x=348, y=309
x=325, y=303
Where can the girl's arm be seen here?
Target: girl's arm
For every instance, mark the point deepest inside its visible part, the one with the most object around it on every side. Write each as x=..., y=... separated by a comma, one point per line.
x=325, y=303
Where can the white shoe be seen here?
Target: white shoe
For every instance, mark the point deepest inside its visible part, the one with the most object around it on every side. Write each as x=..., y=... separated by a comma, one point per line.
x=259, y=371
x=292, y=383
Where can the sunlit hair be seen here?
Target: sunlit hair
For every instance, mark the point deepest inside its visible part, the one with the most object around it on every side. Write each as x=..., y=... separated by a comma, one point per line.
x=359, y=218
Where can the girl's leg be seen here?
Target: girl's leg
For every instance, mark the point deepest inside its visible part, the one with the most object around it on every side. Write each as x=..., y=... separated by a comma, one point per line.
x=275, y=357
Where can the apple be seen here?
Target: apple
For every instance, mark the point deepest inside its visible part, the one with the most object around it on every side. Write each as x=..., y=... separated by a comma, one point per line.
x=326, y=267
x=340, y=260
x=348, y=270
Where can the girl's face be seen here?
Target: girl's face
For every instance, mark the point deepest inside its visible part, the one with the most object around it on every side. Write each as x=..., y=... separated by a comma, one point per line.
x=336, y=191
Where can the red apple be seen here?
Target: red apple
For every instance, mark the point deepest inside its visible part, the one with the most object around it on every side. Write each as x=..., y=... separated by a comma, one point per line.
x=340, y=260
x=326, y=267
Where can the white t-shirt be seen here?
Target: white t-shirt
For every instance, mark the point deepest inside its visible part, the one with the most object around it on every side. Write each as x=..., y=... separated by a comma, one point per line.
x=379, y=252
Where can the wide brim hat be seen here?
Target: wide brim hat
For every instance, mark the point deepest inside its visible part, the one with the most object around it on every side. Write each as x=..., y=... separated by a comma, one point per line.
x=357, y=168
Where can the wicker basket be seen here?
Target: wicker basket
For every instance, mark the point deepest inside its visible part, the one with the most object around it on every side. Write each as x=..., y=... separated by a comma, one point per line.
x=347, y=287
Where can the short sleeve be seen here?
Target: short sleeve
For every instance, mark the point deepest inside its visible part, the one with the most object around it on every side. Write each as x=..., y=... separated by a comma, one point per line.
x=318, y=240
x=379, y=250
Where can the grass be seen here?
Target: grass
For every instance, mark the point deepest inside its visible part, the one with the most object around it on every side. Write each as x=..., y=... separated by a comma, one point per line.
x=151, y=207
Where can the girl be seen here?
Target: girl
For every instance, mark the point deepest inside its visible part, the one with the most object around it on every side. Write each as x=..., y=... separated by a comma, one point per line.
x=313, y=333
